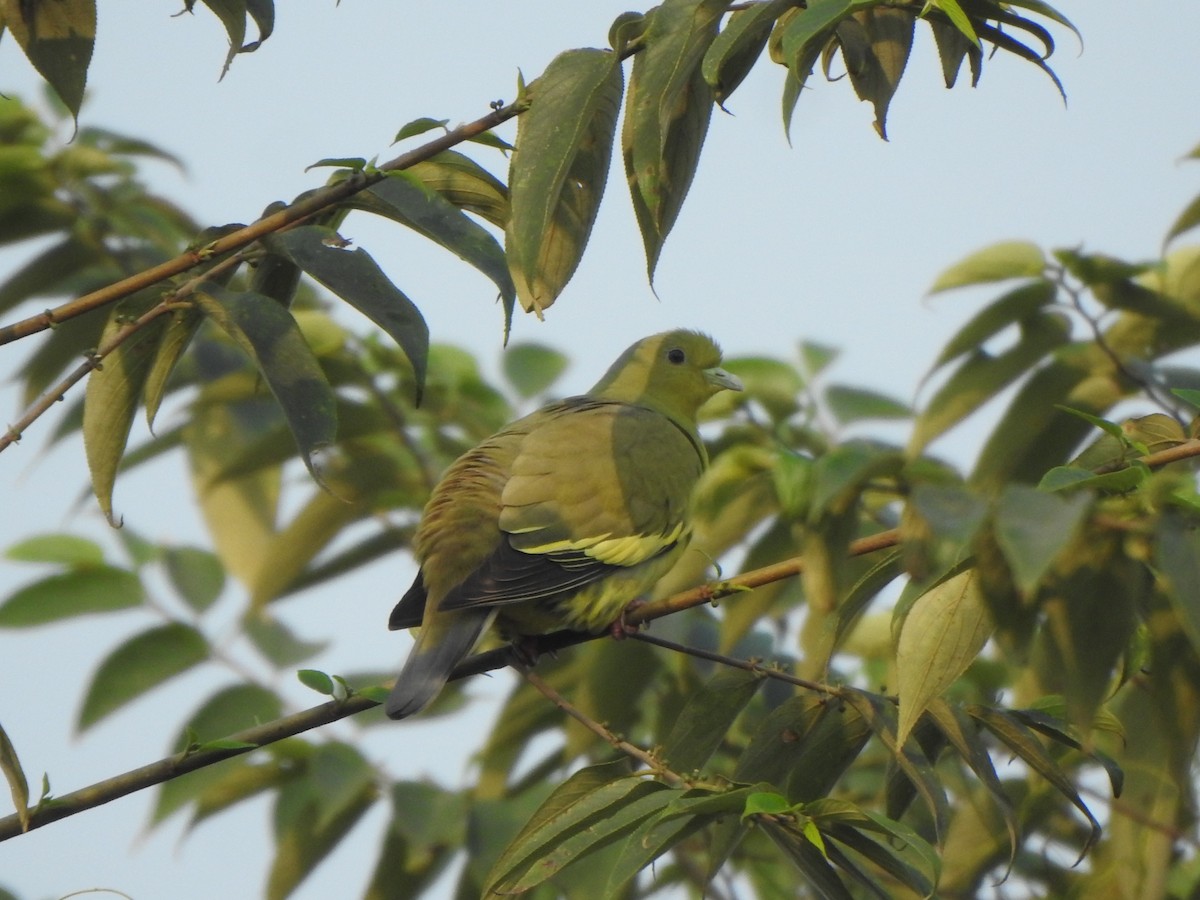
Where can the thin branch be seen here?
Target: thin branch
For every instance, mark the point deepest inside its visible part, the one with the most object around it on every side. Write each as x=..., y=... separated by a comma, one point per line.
x=733, y=662
x=91, y=362
x=645, y=757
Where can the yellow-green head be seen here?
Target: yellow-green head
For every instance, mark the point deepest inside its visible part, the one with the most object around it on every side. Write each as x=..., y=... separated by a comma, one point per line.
x=673, y=372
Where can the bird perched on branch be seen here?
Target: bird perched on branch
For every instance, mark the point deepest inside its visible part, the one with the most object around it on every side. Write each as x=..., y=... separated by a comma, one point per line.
x=564, y=517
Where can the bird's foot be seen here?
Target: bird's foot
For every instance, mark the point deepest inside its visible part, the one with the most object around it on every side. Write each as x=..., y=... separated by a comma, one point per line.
x=621, y=627
x=526, y=650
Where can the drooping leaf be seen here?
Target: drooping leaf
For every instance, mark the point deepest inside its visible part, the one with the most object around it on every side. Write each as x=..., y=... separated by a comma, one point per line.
x=1188, y=219
x=558, y=171
x=309, y=826
x=908, y=758
x=177, y=336
x=589, y=810
x=821, y=878
x=953, y=45
x=78, y=592
x=355, y=277
x=277, y=642
x=1177, y=557
x=408, y=200
x=112, y=395
x=707, y=716
x=270, y=336
x=805, y=744
x=14, y=774
x=738, y=45
x=942, y=634
x=466, y=184
x=1022, y=742
x=1033, y=527
x=666, y=120
x=962, y=733
x=875, y=45
x=999, y=262
x=57, y=39
x=196, y=574
x=138, y=665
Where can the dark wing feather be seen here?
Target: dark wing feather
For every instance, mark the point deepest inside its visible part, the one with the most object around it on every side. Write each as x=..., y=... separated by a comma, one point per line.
x=411, y=609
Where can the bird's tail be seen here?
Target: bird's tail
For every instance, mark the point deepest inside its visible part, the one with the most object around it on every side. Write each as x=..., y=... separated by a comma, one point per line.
x=440, y=646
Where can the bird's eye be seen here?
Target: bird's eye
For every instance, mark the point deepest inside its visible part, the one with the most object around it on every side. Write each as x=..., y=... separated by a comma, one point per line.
x=675, y=356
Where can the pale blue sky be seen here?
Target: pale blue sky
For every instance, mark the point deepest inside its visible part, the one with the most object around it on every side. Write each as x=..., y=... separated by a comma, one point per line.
x=835, y=239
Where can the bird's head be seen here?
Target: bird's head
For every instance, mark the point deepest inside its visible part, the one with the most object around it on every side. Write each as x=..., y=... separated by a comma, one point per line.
x=675, y=371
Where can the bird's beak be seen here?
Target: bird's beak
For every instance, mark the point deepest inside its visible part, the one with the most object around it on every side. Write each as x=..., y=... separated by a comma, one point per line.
x=722, y=380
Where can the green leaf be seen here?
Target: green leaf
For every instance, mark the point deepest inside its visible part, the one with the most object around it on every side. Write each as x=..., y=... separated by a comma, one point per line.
x=707, y=716
x=197, y=575
x=57, y=39
x=91, y=589
x=820, y=876
x=113, y=392
x=317, y=681
x=419, y=126
x=339, y=775
x=355, y=277
x=277, y=642
x=942, y=634
x=269, y=336
x=766, y=803
x=138, y=665
x=981, y=376
x=466, y=184
x=1186, y=221
x=1021, y=741
x=954, y=12
x=963, y=735
x=244, y=781
x=63, y=549
x=308, y=828
x=875, y=44
x=851, y=404
x=1177, y=558
x=18, y=785
x=532, y=368
x=49, y=272
x=647, y=843
x=840, y=474
x=806, y=744
x=594, y=807
x=668, y=108
x=1066, y=478
x=408, y=200
x=353, y=163
x=738, y=46
x=177, y=336
x=1008, y=259
x=1014, y=307
x=558, y=171
x=1033, y=527
x=910, y=761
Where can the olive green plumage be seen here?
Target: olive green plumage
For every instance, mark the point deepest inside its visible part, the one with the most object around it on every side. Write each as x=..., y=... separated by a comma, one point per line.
x=564, y=517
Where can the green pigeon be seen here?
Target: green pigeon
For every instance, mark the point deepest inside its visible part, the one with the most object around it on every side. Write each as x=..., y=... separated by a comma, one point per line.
x=564, y=517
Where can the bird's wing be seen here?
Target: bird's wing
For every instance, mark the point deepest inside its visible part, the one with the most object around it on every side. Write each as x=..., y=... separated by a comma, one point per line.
x=596, y=487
